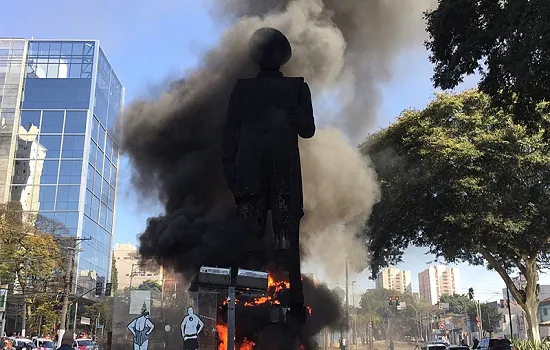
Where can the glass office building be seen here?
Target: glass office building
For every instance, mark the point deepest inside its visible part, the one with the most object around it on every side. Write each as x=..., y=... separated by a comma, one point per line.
x=58, y=104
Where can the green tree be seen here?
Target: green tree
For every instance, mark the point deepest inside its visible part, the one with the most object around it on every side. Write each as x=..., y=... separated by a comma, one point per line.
x=389, y=319
x=506, y=41
x=460, y=304
x=31, y=255
x=114, y=275
x=465, y=181
x=153, y=286
x=490, y=316
x=150, y=285
x=101, y=313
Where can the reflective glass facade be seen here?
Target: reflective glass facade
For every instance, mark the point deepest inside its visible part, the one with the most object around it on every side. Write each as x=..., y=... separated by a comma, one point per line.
x=12, y=54
x=65, y=160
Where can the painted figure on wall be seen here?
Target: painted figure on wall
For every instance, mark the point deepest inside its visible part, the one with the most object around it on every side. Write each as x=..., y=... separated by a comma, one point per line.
x=141, y=327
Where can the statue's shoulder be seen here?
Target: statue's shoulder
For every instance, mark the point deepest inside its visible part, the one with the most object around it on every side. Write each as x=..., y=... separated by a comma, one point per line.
x=296, y=79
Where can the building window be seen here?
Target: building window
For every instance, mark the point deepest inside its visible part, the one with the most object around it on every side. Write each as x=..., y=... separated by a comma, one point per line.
x=545, y=311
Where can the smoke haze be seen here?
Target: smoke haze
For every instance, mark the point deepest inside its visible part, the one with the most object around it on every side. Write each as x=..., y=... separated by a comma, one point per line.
x=345, y=50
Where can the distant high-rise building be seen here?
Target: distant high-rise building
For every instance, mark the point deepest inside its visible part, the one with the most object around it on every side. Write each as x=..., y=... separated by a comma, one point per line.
x=58, y=103
x=436, y=281
x=392, y=278
x=131, y=273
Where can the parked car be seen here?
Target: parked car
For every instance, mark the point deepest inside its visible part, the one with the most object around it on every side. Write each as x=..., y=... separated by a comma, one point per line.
x=434, y=346
x=458, y=347
x=84, y=344
x=23, y=344
x=495, y=344
x=44, y=344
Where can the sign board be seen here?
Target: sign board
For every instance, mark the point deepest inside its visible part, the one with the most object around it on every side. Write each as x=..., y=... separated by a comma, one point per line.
x=85, y=320
x=139, y=300
x=444, y=306
x=402, y=306
x=3, y=297
x=99, y=326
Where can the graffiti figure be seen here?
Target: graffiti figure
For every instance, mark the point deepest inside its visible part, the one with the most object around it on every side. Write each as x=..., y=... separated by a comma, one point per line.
x=140, y=328
x=191, y=326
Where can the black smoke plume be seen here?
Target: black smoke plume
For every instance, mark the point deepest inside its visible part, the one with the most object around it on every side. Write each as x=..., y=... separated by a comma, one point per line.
x=345, y=49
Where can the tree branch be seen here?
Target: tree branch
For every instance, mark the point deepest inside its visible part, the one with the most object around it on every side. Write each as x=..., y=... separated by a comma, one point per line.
x=501, y=271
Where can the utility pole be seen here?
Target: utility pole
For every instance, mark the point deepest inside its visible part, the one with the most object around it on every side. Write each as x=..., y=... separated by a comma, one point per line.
x=66, y=291
x=354, y=316
x=67, y=288
x=509, y=312
x=24, y=310
x=346, y=337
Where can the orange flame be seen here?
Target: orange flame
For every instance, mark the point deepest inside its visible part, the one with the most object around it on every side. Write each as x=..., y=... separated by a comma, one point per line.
x=222, y=335
x=274, y=287
x=247, y=345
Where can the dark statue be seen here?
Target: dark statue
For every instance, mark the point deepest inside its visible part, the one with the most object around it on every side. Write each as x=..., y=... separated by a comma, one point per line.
x=260, y=155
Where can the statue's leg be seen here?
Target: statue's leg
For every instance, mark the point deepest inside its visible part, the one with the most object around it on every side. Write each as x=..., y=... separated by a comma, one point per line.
x=253, y=212
x=286, y=228
x=280, y=217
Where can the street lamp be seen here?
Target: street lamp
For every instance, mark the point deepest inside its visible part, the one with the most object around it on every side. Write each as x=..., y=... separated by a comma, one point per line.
x=354, y=315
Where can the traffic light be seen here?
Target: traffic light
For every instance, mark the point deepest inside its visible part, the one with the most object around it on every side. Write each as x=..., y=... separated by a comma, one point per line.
x=471, y=293
x=396, y=301
x=502, y=304
x=108, y=287
x=390, y=301
x=99, y=288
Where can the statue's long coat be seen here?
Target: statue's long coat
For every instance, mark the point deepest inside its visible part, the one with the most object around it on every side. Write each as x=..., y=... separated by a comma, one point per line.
x=258, y=122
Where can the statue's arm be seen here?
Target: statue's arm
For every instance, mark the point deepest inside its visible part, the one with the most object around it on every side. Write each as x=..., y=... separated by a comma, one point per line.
x=230, y=138
x=306, y=122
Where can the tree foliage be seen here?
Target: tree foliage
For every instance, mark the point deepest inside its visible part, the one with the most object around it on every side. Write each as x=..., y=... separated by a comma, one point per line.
x=387, y=319
x=465, y=181
x=460, y=304
x=507, y=41
x=114, y=275
x=32, y=252
x=101, y=313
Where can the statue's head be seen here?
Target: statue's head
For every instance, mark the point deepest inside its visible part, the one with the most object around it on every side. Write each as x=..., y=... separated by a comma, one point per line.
x=190, y=310
x=269, y=48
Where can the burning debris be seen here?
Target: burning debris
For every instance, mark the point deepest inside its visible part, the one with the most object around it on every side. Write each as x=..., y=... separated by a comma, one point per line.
x=255, y=316
x=344, y=49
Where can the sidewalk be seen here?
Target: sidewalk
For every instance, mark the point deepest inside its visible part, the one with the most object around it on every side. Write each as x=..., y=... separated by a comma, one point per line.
x=378, y=345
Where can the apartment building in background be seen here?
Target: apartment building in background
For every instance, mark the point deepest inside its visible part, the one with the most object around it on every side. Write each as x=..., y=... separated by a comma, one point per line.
x=438, y=280
x=131, y=273
x=58, y=103
x=392, y=278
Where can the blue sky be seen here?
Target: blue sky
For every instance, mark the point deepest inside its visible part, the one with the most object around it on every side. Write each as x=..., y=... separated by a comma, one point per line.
x=147, y=41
